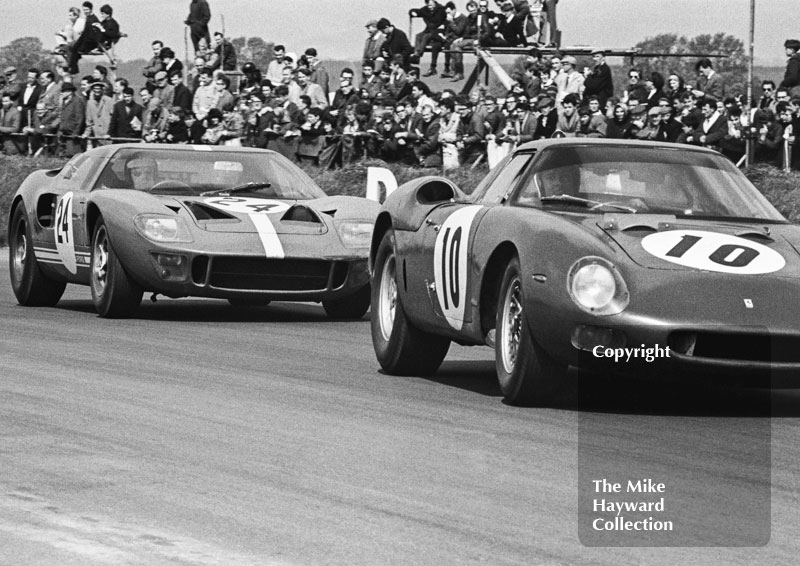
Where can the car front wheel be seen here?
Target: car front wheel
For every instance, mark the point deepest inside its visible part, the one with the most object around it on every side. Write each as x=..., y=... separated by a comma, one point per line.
x=30, y=285
x=114, y=294
x=401, y=348
x=527, y=375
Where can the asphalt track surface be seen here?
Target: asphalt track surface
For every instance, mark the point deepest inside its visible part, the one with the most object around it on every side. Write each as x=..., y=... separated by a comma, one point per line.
x=201, y=434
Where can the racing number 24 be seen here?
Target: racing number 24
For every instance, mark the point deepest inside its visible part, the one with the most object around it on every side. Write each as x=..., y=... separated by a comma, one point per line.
x=62, y=220
x=725, y=254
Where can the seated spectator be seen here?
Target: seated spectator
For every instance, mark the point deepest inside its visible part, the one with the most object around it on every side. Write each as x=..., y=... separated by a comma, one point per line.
x=396, y=43
x=449, y=133
x=435, y=17
x=791, y=77
x=568, y=116
x=69, y=34
x=675, y=87
x=547, y=120
x=586, y=127
x=224, y=54
x=213, y=127
x=599, y=120
x=250, y=81
x=712, y=129
x=88, y=41
x=669, y=130
x=181, y=95
x=171, y=63
x=425, y=138
x=318, y=73
x=225, y=100
x=454, y=38
x=108, y=29
x=619, y=127
x=176, y=131
x=370, y=81
x=155, y=64
x=650, y=130
x=319, y=99
x=276, y=65
x=654, y=86
x=154, y=117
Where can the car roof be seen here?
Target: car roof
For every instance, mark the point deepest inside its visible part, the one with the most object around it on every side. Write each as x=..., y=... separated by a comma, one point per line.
x=109, y=150
x=583, y=142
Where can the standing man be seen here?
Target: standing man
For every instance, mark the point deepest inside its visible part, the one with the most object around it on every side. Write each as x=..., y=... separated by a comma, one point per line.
x=710, y=84
x=275, y=67
x=598, y=81
x=197, y=20
x=13, y=86
x=712, y=129
x=181, y=95
x=98, y=113
x=126, y=118
x=550, y=21
x=9, y=125
x=50, y=94
x=791, y=78
x=455, y=33
x=372, y=46
x=318, y=73
x=224, y=56
x=73, y=116
x=396, y=42
x=29, y=97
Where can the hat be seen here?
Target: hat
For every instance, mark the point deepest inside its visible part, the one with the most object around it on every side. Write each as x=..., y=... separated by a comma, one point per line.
x=372, y=23
x=100, y=84
x=544, y=102
x=397, y=58
x=654, y=111
x=383, y=23
x=598, y=52
x=571, y=60
x=160, y=75
x=311, y=52
x=666, y=110
x=9, y=70
x=790, y=44
x=639, y=109
x=68, y=87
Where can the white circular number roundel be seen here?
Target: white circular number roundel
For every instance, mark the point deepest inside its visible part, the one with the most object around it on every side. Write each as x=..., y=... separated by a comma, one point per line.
x=248, y=205
x=450, y=264
x=711, y=251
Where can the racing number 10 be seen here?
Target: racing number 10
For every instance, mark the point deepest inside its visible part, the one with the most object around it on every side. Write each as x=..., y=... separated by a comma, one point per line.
x=450, y=249
x=725, y=254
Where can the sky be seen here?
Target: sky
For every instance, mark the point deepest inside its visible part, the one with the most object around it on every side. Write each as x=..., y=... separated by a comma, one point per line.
x=336, y=27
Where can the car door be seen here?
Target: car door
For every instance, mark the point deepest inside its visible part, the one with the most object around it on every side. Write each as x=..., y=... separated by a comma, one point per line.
x=65, y=235
x=449, y=238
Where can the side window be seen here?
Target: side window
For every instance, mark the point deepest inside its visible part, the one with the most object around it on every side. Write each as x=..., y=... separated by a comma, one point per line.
x=78, y=171
x=506, y=179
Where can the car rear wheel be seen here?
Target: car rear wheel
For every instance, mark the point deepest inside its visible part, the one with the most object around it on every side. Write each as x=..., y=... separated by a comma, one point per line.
x=114, y=294
x=352, y=307
x=527, y=375
x=30, y=285
x=249, y=301
x=401, y=348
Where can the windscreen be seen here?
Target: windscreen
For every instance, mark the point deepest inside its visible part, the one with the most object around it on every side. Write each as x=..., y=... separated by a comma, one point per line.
x=650, y=180
x=167, y=171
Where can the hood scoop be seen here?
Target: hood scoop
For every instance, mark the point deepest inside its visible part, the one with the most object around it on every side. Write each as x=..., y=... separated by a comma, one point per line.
x=642, y=222
x=300, y=213
x=204, y=213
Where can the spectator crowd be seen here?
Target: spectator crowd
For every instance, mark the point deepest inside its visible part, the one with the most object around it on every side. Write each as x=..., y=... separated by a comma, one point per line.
x=384, y=108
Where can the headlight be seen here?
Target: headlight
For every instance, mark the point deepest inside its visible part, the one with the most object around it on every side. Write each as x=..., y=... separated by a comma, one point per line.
x=355, y=233
x=162, y=228
x=595, y=285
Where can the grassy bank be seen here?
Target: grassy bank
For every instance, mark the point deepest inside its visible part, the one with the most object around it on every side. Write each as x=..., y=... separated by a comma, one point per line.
x=782, y=189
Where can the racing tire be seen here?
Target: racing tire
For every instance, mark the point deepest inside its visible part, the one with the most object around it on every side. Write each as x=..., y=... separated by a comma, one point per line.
x=352, y=307
x=527, y=375
x=401, y=348
x=114, y=294
x=240, y=302
x=31, y=287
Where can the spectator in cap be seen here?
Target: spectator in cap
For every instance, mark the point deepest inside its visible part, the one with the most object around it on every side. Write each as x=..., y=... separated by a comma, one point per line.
x=569, y=80
x=171, y=63
x=73, y=114
x=197, y=20
x=599, y=82
x=791, y=77
x=396, y=42
x=587, y=128
x=99, y=107
x=547, y=120
x=372, y=46
x=13, y=86
x=669, y=129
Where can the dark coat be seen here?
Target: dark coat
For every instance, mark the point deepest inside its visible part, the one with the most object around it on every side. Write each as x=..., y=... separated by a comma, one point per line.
x=182, y=97
x=791, y=77
x=121, y=119
x=397, y=43
x=433, y=18
x=199, y=13
x=599, y=84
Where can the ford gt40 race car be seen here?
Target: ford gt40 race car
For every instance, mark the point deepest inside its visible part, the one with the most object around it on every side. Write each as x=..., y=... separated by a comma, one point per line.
x=244, y=225
x=572, y=250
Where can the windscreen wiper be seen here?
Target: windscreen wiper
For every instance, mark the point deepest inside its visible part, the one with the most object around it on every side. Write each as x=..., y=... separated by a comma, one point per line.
x=237, y=189
x=593, y=204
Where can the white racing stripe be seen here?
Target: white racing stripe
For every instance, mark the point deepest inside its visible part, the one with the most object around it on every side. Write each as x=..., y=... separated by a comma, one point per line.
x=269, y=238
